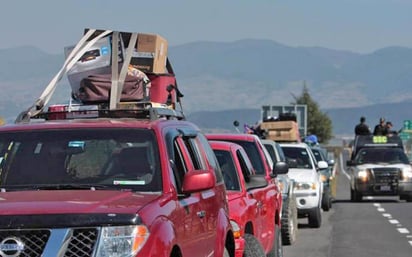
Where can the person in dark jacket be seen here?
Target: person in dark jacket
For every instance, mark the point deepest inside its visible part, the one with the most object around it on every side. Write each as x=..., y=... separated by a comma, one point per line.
x=380, y=129
x=362, y=128
x=389, y=127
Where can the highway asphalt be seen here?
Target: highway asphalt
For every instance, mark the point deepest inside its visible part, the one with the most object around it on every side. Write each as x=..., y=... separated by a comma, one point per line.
x=375, y=227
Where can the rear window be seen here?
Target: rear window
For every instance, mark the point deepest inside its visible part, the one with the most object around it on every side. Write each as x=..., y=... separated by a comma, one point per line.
x=121, y=158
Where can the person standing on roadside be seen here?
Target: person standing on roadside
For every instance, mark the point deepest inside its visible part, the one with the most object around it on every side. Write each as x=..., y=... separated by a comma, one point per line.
x=362, y=128
x=380, y=129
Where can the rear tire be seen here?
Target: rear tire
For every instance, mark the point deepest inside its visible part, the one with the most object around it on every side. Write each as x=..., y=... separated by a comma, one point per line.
x=253, y=248
x=326, y=201
x=289, y=221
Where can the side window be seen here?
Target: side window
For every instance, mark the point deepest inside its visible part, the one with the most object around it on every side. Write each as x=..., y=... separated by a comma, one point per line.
x=211, y=157
x=180, y=161
x=282, y=156
x=246, y=166
x=229, y=170
x=195, y=153
x=271, y=152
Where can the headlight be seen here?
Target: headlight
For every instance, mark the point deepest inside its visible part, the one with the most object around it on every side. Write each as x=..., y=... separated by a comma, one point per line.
x=235, y=229
x=305, y=186
x=407, y=172
x=122, y=240
x=363, y=175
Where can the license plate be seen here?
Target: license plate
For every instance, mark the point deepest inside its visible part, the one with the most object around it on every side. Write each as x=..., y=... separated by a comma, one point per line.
x=385, y=188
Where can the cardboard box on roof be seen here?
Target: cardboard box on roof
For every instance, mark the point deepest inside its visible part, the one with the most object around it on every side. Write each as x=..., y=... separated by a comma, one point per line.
x=282, y=136
x=286, y=131
x=151, y=53
x=278, y=125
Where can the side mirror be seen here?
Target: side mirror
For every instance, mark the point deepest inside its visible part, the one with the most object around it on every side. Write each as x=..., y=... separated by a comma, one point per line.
x=331, y=162
x=322, y=165
x=280, y=168
x=198, y=180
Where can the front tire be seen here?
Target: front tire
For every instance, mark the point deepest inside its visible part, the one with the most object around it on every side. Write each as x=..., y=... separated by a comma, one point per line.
x=315, y=218
x=355, y=195
x=407, y=198
x=253, y=248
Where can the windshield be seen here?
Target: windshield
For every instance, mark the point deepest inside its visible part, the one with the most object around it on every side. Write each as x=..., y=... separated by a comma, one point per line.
x=297, y=157
x=79, y=158
x=320, y=155
x=377, y=155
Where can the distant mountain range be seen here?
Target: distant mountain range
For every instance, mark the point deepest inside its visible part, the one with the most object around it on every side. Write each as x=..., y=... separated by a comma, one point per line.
x=226, y=81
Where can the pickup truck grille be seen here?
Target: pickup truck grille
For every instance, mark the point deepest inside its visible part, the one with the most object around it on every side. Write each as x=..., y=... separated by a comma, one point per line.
x=386, y=175
x=80, y=242
x=34, y=241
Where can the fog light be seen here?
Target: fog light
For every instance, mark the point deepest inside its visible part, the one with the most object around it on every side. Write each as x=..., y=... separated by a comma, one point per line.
x=302, y=201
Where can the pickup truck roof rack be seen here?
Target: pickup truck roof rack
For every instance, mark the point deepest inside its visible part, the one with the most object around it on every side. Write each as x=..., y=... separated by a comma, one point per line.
x=113, y=108
x=136, y=110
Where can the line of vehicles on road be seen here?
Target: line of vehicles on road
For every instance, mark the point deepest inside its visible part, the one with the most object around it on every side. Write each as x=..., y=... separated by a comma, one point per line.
x=129, y=176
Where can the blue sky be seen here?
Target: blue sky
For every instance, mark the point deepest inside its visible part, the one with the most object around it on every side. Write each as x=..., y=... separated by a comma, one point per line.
x=361, y=26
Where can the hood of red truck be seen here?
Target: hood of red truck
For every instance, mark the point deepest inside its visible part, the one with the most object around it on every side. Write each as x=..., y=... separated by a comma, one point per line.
x=72, y=201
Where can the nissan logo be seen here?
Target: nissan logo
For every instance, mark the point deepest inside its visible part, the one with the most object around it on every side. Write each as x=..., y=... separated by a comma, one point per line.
x=11, y=247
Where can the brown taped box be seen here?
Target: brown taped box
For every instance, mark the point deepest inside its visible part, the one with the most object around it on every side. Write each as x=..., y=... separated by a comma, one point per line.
x=281, y=130
x=156, y=46
x=278, y=125
x=283, y=135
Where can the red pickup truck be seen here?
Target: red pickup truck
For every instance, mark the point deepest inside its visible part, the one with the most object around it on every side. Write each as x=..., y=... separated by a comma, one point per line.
x=111, y=186
x=250, y=199
x=264, y=168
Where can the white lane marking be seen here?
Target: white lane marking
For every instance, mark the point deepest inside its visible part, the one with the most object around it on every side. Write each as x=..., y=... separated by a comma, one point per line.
x=341, y=166
x=403, y=230
x=377, y=205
